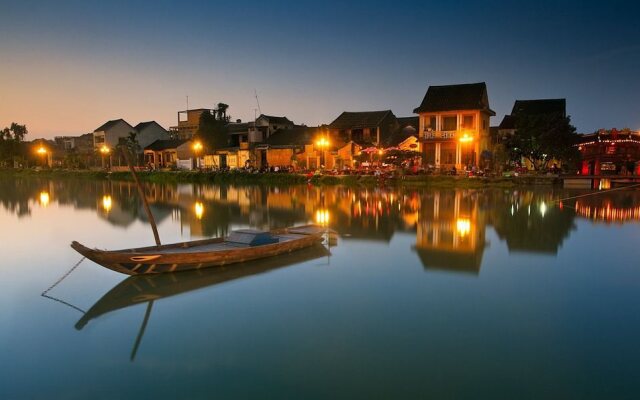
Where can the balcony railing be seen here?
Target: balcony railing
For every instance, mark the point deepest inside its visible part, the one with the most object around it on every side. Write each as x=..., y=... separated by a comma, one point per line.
x=440, y=134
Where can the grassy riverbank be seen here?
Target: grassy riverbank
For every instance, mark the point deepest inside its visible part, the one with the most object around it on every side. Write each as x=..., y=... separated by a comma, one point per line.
x=277, y=179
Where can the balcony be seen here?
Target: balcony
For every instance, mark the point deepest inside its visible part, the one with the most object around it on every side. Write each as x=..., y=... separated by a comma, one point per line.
x=429, y=135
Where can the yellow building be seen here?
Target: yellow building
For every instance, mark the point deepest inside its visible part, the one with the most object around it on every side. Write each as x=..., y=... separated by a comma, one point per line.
x=454, y=125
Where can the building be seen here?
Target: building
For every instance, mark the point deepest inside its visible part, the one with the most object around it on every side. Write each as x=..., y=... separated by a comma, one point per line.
x=269, y=124
x=149, y=132
x=110, y=133
x=188, y=123
x=366, y=128
x=610, y=152
x=530, y=108
x=454, y=125
x=172, y=153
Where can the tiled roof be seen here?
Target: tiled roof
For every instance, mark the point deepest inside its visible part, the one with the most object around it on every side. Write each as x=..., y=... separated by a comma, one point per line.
x=508, y=122
x=469, y=96
x=296, y=136
x=159, y=145
x=110, y=124
x=143, y=125
x=359, y=120
x=238, y=127
x=276, y=120
x=543, y=106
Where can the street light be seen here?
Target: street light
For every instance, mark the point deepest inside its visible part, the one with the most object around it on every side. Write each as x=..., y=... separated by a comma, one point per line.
x=323, y=143
x=42, y=151
x=197, y=148
x=466, y=139
x=104, y=150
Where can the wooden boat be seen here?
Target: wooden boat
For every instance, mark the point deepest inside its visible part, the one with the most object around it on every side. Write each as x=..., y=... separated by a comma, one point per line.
x=241, y=245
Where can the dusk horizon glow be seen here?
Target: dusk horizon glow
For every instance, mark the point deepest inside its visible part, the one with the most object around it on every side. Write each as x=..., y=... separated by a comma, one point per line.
x=68, y=67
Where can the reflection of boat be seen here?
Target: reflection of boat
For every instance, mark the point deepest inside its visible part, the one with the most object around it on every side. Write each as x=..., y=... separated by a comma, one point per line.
x=148, y=288
x=140, y=289
x=240, y=246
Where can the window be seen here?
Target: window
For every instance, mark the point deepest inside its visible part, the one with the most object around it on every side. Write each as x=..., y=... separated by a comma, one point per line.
x=432, y=123
x=467, y=122
x=450, y=123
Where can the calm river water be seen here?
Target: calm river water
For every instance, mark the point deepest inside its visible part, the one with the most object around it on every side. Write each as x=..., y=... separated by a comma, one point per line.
x=421, y=293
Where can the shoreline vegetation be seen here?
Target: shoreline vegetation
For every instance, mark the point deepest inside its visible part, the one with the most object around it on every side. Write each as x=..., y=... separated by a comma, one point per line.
x=279, y=179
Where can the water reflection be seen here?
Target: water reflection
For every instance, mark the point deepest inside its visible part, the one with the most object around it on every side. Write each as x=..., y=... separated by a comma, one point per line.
x=449, y=225
x=149, y=288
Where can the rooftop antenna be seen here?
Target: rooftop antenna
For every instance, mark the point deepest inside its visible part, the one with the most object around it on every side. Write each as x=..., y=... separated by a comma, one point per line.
x=257, y=101
x=187, y=102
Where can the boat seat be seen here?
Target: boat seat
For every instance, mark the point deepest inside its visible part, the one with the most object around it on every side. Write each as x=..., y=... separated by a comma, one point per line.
x=250, y=238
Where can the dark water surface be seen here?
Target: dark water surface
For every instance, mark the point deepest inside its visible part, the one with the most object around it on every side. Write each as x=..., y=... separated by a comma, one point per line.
x=426, y=293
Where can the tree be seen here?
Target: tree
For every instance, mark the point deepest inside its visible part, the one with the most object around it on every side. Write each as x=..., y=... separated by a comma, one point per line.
x=542, y=138
x=221, y=112
x=131, y=145
x=11, y=139
x=212, y=130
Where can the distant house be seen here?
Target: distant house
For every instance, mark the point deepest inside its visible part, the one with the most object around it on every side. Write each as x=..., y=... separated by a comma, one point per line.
x=110, y=133
x=531, y=108
x=454, y=124
x=367, y=128
x=149, y=132
x=269, y=124
x=285, y=147
x=406, y=138
x=168, y=154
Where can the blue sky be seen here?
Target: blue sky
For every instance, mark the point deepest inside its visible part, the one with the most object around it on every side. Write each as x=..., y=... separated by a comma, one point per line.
x=68, y=66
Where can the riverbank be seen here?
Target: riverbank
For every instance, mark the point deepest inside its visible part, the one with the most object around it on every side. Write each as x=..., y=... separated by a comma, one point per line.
x=277, y=179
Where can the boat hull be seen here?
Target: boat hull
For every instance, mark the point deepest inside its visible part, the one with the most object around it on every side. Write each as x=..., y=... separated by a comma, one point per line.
x=195, y=255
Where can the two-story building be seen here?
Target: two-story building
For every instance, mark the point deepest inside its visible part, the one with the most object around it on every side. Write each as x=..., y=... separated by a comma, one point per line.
x=110, y=133
x=454, y=125
x=149, y=132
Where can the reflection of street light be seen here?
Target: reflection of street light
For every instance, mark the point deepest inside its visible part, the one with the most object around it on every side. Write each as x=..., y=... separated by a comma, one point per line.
x=463, y=226
x=322, y=217
x=104, y=150
x=199, y=209
x=106, y=202
x=44, y=198
x=323, y=143
x=197, y=148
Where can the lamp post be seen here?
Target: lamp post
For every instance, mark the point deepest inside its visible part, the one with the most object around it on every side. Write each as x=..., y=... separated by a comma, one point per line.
x=197, y=148
x=104, y=150
x=323, y=143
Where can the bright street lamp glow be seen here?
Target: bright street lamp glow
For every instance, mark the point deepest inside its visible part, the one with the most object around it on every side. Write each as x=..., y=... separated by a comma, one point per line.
x=466, y=138
x=41, y=150
x=323, y=142
x=104, y=149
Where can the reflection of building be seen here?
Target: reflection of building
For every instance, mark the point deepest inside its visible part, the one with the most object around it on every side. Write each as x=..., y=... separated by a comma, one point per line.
x=451, y=232
x=623, y=207
x=531, y=222
x=454, y=124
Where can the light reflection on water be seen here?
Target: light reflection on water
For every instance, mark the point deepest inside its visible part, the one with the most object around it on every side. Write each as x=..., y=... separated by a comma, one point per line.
x=422, y=292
